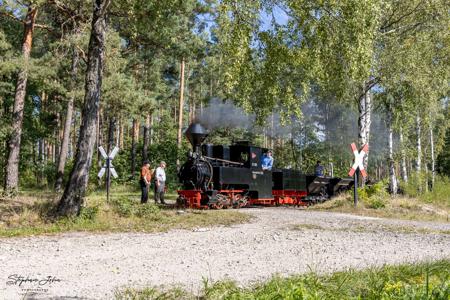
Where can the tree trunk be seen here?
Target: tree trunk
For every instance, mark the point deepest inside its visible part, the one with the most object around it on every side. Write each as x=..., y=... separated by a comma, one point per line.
x=418, y=145
x=100, y=136
x=73, y=197
x=67, y=125
x=393, y=187
x=146, y=138
x=433, y=162
x=12, y=167
x=151, y=129
x=134, y=139
x=364, y=121
x=111, y=133
x=425, y=166
x=404, y=172
x=180, y=109
x=75, y=134
x=121, y=130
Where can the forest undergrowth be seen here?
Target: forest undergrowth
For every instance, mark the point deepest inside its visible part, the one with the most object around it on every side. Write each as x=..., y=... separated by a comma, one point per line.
x=412, y=204
x=31, y=214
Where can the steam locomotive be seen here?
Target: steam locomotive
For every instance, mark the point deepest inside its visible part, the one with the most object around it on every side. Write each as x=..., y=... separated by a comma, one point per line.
x=219, y=176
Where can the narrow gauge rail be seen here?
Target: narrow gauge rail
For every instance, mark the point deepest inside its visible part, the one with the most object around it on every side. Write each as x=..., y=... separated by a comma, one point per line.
x=220, y=176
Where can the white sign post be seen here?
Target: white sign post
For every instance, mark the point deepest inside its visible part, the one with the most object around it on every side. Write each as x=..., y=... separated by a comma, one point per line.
x=108, y=168
x=358, y=165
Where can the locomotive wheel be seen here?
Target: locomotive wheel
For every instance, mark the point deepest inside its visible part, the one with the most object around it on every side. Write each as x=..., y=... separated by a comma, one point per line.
x=216, y=205
x=181, y=202
x=235, y=200
x=243, y=202
x=226, y=202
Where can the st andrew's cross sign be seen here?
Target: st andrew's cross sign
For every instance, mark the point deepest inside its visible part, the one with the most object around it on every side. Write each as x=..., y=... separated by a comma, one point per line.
x=108, y=168
x=358, y=165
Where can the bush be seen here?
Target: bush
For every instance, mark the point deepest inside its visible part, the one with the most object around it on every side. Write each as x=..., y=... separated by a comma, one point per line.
x=126, y=207
x=147, y=210
x=89, y=213
x=415, y=184
x=376, y=202
x=374, y=196
x=123, y=206
x=440, y=192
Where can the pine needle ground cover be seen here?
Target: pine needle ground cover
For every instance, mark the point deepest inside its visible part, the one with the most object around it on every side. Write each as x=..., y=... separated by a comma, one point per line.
x=429, y=280
x=31, y=214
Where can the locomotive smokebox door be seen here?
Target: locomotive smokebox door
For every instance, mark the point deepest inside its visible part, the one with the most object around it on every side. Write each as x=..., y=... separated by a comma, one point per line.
x=196, y=134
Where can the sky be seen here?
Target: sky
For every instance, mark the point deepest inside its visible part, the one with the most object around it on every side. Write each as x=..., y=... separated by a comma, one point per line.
x=280, y=16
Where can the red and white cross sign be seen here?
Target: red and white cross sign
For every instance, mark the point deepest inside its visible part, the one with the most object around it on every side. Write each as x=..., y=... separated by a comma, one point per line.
x=358, y=163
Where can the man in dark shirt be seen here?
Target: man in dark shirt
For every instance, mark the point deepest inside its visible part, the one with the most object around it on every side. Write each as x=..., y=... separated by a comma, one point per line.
x=146, y=178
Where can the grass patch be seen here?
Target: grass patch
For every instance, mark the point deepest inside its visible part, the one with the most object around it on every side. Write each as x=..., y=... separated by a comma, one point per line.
x=410, y=281
x=306, y=226
x=370, y=227
x=28, y=215
x=399, y=207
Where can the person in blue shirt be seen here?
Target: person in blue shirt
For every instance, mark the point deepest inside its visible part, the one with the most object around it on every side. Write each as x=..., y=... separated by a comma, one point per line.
x=267, y=161
x=319, y=170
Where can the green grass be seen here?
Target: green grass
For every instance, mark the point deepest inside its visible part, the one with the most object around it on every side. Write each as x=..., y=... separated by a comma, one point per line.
x=29, y=214
x=410, y=281
x=373, y=228
x=385, y=206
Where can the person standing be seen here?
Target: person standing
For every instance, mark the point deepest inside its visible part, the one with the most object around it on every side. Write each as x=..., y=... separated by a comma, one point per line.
x=160, y=183
x=146, y=179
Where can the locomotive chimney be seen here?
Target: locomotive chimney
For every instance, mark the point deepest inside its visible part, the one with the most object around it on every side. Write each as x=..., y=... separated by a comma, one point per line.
x=196, y=134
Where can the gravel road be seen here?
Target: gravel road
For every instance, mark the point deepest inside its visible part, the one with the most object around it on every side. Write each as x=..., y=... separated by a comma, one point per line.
x=278, y=240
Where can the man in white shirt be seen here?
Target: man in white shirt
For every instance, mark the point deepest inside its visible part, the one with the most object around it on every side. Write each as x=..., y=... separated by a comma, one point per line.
x=160, y=183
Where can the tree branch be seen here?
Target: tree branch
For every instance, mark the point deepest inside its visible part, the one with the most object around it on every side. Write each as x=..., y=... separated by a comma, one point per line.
x=386, y=26
x=11, y=16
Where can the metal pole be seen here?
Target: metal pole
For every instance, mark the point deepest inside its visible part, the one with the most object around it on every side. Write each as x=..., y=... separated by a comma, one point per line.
x=355, y=186
x=108, y=178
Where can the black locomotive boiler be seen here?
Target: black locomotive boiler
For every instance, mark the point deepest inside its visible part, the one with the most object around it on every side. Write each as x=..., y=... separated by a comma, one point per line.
x=219, y=176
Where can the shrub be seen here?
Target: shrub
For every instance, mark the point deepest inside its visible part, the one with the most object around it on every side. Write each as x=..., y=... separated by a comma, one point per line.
x=89, y=213
x=440, y=192
x=376, y=202
x=123, y=206
x=126, y=207
x=374, y=196
x=415, y=184
x=147, y=210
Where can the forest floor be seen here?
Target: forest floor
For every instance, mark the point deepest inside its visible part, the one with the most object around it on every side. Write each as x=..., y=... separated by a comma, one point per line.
x=31, y=214
x=278, y=240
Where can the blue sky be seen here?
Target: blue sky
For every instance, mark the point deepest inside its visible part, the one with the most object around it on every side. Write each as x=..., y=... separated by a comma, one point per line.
x=280, y=16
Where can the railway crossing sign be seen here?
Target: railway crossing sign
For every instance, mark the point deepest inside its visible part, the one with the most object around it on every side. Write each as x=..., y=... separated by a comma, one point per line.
x=358, y=163
x=108, y=168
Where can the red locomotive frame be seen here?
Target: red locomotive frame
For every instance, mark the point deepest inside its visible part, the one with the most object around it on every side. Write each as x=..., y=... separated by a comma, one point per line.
x=236, y=199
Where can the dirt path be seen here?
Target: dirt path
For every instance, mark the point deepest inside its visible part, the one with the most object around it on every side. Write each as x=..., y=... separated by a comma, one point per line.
x=279, y=240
